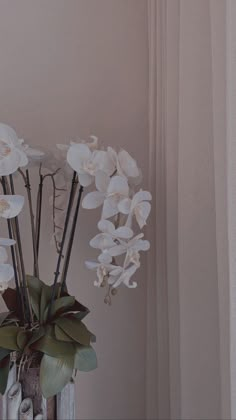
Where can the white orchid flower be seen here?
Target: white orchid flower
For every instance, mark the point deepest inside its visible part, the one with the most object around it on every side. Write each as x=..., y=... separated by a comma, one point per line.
x=139, y=206
x=12, y=155
x=108, y=239
x=10, y=205
x=6, y=270
x=110, y=191
x=131, y=249
x=125, y=164
x=101, y=269
x=86, y=162
x=122, y=275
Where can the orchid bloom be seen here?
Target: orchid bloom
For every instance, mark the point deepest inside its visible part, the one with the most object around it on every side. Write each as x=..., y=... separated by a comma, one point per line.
x=87, y=162
x=10, y=205
x=131, y=248
x=110, y=191
x=6, y=270
x=122, y=275
x=108, y=238
x=139, y=206
x=13, y=153
x=124, y=163
x=101, y=269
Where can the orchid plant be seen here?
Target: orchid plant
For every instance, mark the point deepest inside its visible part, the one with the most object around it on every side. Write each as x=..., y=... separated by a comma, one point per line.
x=44, y=322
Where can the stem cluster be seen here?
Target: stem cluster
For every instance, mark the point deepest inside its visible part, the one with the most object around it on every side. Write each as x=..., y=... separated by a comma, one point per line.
x=64, y=248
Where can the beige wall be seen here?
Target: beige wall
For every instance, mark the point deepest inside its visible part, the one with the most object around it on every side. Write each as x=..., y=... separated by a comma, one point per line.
x=71, y=68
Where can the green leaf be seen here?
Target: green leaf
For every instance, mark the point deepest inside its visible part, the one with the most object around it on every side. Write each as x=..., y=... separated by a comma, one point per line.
x=4, y=353
x=37, y=334
x=61, y=304
x=34, y=284
x=55, y=373
x=4, y=371
x=85, y=358
x=3, y=317
x=45, y=299
x=8, y=337
x=75, y=329
x=81, y=315
x=22, y=338
x=52, y=347
x=61, y=335
x=35, y=302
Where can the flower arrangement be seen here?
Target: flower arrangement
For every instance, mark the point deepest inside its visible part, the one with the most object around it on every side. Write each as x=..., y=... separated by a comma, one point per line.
x=44, y=324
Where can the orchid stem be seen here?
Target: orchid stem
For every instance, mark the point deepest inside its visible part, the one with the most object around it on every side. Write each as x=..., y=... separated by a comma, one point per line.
x=71, y=240
x=68, y=213
x=13, y=255
x=39, y=213
x=18, y=239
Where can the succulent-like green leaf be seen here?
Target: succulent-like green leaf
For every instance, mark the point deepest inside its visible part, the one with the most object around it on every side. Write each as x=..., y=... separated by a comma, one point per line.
x=61, y=335
x=85, y=358
x=34, y=284
x=55, y=373
x=54, y=348
x=4, y=371
x=3, y=316
x=35, y=302
x=45, y=299
x=8, y=337
x=22, y=338
x=75, y=329
x=60, y=305
x=4, y=353
x=37, y=334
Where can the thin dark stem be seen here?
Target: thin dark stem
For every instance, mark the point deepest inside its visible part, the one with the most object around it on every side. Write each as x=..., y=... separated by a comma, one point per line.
x=18, y=240
x=28, y=187
x=69, y=208
x=18, y=288
x=39, y=213
x=71, y=240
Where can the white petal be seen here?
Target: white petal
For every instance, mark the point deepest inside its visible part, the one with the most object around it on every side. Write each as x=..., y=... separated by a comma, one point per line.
x=141, y=245
x=118, y=185
x=77, y=155
x=7, y=242
x=102, y=181
x=85, y=179
x=124, y=232
x=93, y=200
x=142, y=212
x=117, y=271
x=128, y=164
x=10, y=205
x=104, y=258
x=106, y=226
x=124, y=206
x=103, y=161
x=3, y=255
x=91, y=265
x=102, y=241
x=6, y=272
x=10, y=163
x=117, y=250
x=110, y=208
x=141, y=196
x=8, y=134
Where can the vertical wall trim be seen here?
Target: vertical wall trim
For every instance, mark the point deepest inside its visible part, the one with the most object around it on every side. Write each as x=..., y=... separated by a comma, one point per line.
x=158, y=387
x=231, y=166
